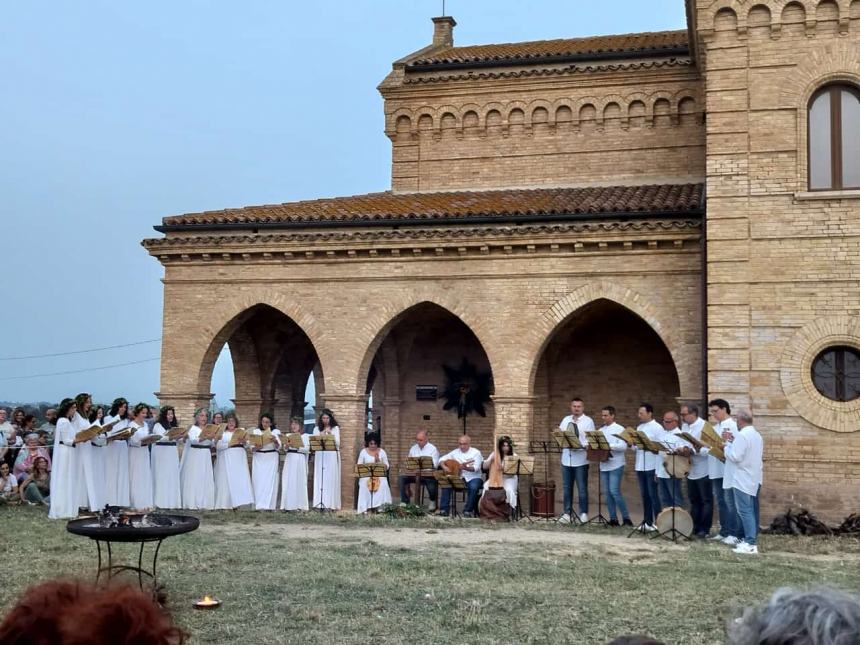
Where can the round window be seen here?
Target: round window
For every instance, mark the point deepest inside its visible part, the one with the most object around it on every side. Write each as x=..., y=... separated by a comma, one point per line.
x=836, y=373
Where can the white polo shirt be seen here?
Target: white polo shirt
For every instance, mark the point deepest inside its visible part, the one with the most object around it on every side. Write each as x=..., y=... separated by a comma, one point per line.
x=583, y=424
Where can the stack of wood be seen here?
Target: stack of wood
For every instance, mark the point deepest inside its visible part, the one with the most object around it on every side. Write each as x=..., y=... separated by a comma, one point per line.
x=800, y=522
x=850, y=526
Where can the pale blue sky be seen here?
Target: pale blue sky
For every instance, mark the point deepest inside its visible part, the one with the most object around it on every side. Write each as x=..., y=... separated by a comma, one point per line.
x=116, y=114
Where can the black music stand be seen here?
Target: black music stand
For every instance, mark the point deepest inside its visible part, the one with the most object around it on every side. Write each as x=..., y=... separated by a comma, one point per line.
x=546, y=448
x=569, y=440
x=422, y=467
x=519, y=468
x=641, y=441
x=369, y=470
x=596, y=441
x=322, y=443
x=456, y=484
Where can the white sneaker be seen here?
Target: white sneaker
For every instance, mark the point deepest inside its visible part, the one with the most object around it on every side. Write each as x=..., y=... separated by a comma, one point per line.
x=717, y=537
x=564, y=519
x=583, y=517
x=431, y=507
x=650, y=527
x=745, y=549
x=731, y=541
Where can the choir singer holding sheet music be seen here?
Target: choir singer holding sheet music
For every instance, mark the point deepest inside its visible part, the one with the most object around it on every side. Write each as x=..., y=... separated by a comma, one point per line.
x=574, y=463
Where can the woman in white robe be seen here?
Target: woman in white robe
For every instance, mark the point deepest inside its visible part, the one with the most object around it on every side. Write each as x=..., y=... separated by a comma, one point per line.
x=91, y=455
x=195, y=472
x=65, y=467
x=116, y=457
x=232, y=478
x=505, y=448
x=327, y=466
x=264, y=469
x=139, y=468
x=294, y=477
x=368, y=500
x=164, y=457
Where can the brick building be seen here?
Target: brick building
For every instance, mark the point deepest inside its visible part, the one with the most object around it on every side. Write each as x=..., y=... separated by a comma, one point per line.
x=667, y=216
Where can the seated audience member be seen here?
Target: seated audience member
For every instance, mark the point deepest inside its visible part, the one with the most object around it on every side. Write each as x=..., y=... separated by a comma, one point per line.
x=28, y=454
x=63, y=612
x=8, y=486
x=822, y=616
x=36, y=487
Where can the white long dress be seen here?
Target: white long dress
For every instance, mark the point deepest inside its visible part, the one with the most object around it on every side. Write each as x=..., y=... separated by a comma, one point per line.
x=166, y=491
x=92, y=459
x=327, y=475
x=232, y=478
x=379, y=497
x=117, y=479
x=294, y=478
x=510, y=484
x=196, y=478
x=65, y=473
x=139, y=468
x=264, y=473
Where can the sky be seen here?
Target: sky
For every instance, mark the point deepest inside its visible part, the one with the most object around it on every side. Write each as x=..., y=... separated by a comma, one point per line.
x=117, y=114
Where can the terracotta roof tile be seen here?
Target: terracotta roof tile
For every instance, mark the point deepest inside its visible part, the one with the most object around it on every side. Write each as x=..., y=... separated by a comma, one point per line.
x=560, y=49
x=418, y=207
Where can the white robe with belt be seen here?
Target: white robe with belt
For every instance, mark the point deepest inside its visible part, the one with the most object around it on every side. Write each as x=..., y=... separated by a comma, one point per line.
x=196, y=478
x=264, y=473
x=327, y=475
x=294, y=479
x=65, y=473
x=92, y=459
x=232, y=478
x=166, y=489
x=139, y=468
x=379, y=497
x=117, y=479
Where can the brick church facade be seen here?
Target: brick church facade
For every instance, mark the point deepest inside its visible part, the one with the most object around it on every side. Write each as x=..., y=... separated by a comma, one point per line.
x=669, y=217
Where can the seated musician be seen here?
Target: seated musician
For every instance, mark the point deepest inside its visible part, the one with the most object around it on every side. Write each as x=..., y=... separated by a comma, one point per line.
x=422, y=448
x=468, y=466
x=495, y=503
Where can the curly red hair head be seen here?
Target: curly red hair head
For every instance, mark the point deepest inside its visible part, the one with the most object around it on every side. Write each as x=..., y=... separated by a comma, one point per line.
x=70, y=613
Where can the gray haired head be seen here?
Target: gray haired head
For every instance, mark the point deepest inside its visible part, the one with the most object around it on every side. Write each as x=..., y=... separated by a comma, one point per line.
x=745, y=415
x=822, y=616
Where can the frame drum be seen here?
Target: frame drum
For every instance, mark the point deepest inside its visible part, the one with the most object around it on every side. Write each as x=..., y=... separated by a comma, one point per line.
x=677, y=467
x=683, y=520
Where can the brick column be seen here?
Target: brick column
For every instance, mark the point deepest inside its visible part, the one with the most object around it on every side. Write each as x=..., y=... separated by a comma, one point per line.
x=514, y=417
x=395, y=443
x=248, y=410
x=185, y=403
x=350, y=410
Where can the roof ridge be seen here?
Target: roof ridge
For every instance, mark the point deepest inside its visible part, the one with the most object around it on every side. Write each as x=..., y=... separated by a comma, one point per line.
x=632, y=34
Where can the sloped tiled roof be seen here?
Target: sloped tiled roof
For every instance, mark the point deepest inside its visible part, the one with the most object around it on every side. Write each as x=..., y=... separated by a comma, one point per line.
x=426, y=207
x=671, y=42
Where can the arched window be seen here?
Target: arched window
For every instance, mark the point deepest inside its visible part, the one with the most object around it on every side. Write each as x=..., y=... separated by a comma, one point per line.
x=834, y=138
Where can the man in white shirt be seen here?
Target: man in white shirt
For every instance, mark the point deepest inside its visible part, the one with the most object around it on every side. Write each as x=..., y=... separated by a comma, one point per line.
x=669, y=488
x=646, y=467
x=470, y=470
x=574, y=463
x=421, y=448
x=731, y=531
x=698, y=483
x=744, y=450
x=612, y=470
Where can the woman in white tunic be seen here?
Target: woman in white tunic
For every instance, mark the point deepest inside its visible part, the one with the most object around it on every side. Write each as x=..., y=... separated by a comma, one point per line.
x=232, y=478
x=165, y=463
x=327, y=466
x=139, y=468
x=65, y=469
x=504, y=448
x=116, y=457
x=294, y=477
x=367, y=497
x=264, y=470
x=195, y=472
x=91, y=455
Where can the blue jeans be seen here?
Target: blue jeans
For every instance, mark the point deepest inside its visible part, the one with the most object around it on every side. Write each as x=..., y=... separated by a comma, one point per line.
x=746, y=512
x=648, y=489
x=610, y=481
x=427, y=482
x=734, y=527
x=474, y=488
x=701, y=505
x=670, y=491
x=719, y=496
x=579, y=474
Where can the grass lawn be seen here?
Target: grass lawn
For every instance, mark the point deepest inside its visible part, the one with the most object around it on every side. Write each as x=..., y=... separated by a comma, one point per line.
x=311, y=579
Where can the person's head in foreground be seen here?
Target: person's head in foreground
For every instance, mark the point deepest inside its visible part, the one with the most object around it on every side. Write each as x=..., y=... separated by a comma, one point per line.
x=65, y=612
x=822, y=616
